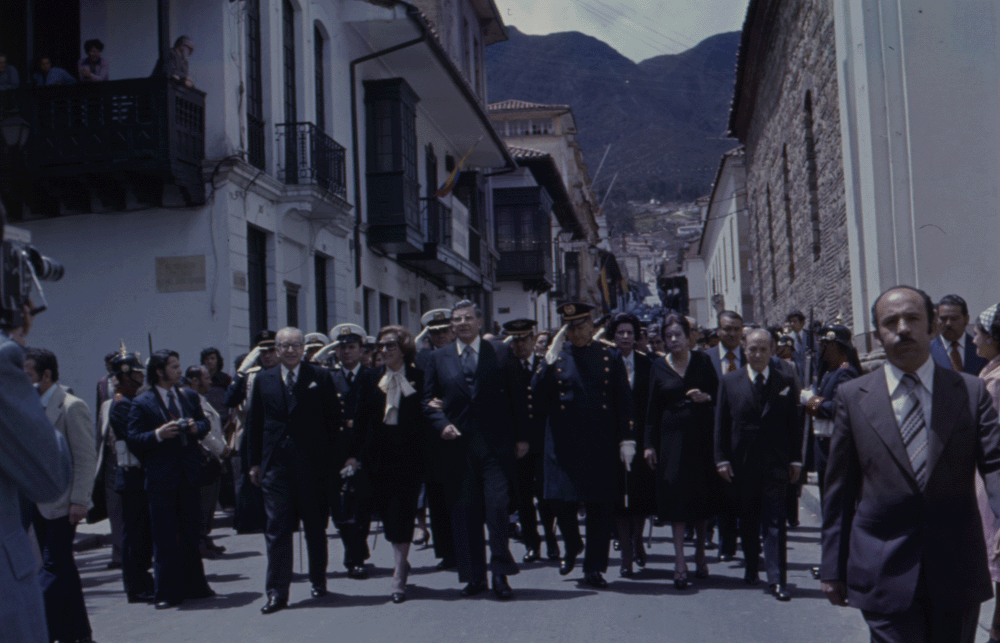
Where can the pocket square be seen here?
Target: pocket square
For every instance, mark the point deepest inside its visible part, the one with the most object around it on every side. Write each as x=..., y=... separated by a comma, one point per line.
x=313, y=385
x=784, y=391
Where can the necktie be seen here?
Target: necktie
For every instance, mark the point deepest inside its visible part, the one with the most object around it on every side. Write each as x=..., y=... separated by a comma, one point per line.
x=955, y=357
x=731, y=356
x=350, y=377
x=290, y=381
x=526, y=365
x=630, y=369
x=175, y=413
x=758, y=384
x=469, y=364
x=913, y=429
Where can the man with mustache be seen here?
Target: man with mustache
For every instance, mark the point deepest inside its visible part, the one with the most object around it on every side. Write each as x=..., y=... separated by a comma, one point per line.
x=902, y=536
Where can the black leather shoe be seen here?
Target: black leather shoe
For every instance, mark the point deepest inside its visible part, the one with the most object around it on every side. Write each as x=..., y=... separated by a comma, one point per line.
x=398, y=597
x=531, y=556
x=358, y=572
x=751, y=578
x=141, y=597
x=445, y=564
x=780, y=592
x=594, y=579
x=640, y=557
x=726, y=558
x=162, y=605
x=318, y=592
x=815, y=572
x=501, y=587
x=567, y=564
x=273, y=605
x=626, y=572
x=617, y=546
x=552, y=552
x=681, y=580
x=473, y=588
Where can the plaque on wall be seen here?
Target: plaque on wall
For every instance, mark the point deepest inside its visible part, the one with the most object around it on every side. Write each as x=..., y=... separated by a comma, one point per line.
x=180, y=274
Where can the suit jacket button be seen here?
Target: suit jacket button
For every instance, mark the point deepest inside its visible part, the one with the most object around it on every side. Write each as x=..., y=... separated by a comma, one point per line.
x=604, y=406
x=562, y=408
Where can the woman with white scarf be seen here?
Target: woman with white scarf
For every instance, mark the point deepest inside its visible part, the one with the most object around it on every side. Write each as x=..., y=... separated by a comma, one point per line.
x=394, y=426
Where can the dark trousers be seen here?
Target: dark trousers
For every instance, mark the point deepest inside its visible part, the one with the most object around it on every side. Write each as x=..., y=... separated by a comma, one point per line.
x=175, y=520
x=440, y=515
x=821, y=455
x=65, y=611
x=292, y=493
x=728, y=520
x=137, y=535
x=762, y=510
x=598, y=525
x=923, y=623
x=529, y=486
x=484, y=497
x=353, y=530
x=113, y=503
x=209, y=501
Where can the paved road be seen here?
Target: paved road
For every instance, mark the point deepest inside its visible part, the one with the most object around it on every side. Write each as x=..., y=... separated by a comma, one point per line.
x=547, y=607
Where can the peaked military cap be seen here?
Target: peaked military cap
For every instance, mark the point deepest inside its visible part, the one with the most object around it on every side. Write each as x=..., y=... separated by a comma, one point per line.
x=265, y=339
x=348, y=333
x=436, y=318
x=519, y=327
x=574, y=313
x=316, y=339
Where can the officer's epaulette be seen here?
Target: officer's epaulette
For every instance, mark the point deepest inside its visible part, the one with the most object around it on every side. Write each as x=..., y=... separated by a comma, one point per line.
x=118, y=398
x=641, y=353
x=607, y=343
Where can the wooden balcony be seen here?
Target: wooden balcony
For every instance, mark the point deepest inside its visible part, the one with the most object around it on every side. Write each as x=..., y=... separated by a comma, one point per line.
x=101, y=146
x=533, y=267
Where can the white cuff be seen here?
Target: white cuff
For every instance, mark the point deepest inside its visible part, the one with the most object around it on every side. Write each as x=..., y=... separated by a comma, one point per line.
x=719, y=465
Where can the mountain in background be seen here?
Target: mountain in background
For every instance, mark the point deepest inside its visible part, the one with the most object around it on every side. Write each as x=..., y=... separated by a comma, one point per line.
x=664, y=117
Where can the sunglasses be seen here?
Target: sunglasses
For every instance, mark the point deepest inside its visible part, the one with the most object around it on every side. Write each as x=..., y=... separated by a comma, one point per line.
x=386, y=346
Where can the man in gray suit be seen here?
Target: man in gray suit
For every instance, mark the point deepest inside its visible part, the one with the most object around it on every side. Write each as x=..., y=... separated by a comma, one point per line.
x=35, y=463
x=55, y=522
x=902, y=536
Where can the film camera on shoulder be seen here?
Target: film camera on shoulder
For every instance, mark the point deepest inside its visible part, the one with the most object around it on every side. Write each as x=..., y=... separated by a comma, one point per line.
x=22, y=268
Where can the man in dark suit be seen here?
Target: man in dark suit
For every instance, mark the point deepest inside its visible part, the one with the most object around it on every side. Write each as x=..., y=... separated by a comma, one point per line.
x=582, y=397
x=164, y=426
x=295, y=412
x=758, y=442
x=953, y=348
x=902, y=535
x=727, y=357
x=480, y=433
x=350, y=377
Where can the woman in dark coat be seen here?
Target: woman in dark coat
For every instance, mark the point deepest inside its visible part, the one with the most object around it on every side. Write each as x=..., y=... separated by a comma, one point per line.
x=679, y=428
x=393, y=426
x=638, y=497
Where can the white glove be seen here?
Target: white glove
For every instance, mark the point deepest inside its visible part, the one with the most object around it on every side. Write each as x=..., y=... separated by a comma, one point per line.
x=556, y=347
x=806, y=395
x=627, y=452
x=249, y=361
x=348, y=471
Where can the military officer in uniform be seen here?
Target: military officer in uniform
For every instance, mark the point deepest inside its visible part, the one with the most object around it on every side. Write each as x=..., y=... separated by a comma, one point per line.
x=352, y=380
x=437, y=327
x=581, y=394
x=130, y=481
x=314, y=342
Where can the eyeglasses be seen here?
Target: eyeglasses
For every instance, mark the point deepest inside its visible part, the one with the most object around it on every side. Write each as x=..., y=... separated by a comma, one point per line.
x=289, y=347
x=387, y=346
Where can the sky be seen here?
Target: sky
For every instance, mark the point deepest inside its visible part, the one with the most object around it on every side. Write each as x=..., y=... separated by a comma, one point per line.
x=638, y=29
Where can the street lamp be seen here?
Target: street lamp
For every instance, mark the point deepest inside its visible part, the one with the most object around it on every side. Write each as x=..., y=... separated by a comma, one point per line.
x=15, y=130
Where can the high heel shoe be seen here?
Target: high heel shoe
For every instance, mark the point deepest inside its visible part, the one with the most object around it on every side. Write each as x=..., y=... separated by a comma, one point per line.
x=424, y=538
x=399, y=585
x=640, y=556
x=680, y=580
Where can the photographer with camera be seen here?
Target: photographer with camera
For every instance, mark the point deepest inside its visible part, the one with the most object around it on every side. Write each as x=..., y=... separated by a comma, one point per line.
x=34, y=463
x=165, y=426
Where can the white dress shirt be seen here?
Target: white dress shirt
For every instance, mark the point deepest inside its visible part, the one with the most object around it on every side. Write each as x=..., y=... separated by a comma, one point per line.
x=474, y=345
x=898, y=393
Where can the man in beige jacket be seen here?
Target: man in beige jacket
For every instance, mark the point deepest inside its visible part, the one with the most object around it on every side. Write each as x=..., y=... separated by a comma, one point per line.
x=55, y=522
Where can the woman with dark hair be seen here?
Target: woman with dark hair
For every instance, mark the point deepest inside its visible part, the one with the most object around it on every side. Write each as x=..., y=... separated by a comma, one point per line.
x=679, y=433
x=93, y=67
x=211, y=359
x=638, y=498
x=390, y=444
x=987, y=341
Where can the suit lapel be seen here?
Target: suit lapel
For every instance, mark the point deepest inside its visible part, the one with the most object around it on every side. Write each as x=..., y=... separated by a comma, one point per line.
x=54, y=409
x=487, y=357
x=877, y=407
x=748, y=389
x=946, y=405
x=773, y=380
x=301, y=384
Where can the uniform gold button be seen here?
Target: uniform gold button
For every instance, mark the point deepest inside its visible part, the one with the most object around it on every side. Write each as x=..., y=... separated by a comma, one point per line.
x=604, y=406
x=562, y=408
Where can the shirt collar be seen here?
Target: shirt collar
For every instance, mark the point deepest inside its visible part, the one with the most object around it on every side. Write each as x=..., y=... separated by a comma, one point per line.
x=947, y=344
x=352, y=371
x=163, y=392
x=47, y=395
x=284, y=371
x=723, y=350
x=894, y=376
x=753, y=374
x=475, y=345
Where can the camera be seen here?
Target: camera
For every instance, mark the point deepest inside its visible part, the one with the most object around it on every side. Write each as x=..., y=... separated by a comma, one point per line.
x=22, y=267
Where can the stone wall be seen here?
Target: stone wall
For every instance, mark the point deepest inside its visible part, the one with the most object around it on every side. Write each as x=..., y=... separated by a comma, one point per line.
x=795, y=177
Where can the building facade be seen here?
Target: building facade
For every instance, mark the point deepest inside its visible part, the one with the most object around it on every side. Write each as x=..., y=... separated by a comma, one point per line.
x=303, y=181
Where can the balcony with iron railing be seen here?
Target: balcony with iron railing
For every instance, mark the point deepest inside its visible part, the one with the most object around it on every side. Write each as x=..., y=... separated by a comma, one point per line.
x=309, y=157
x=440, y=258
x=141, y=136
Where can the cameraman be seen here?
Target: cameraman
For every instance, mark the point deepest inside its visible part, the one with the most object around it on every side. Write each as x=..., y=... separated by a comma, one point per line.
x=34, y=463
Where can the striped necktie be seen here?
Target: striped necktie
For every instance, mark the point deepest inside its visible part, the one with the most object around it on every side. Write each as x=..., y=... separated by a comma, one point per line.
x=914, y=429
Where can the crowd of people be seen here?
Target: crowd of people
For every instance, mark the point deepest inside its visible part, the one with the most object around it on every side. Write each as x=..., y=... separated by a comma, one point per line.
x=615, y=420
